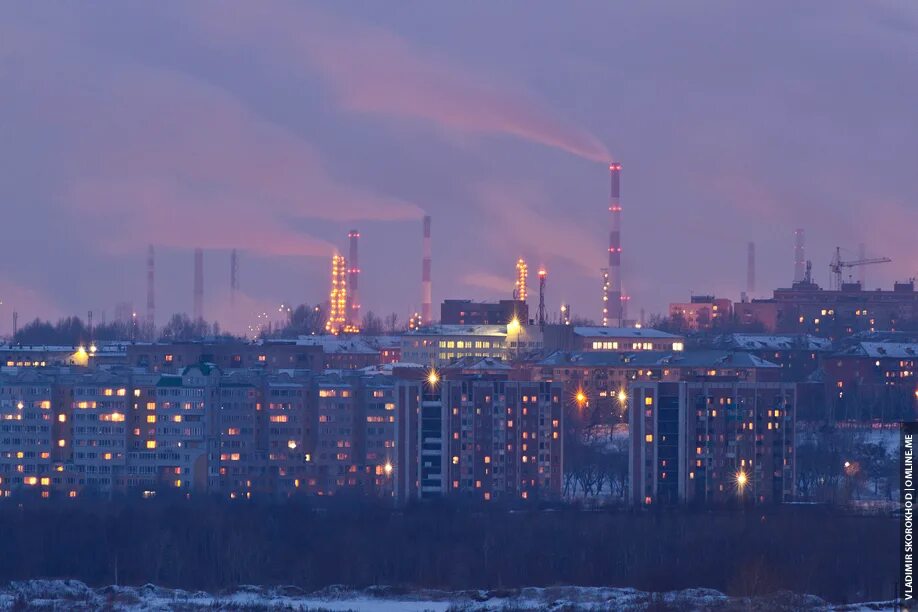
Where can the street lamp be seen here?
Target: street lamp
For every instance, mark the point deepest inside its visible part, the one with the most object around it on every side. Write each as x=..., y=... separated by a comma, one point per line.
x=513, y=327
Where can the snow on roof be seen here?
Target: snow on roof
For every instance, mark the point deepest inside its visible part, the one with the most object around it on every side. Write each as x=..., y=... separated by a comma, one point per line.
x=622, y=332
x=460, y=330
x=886, y=350
x=712, y=358
x=778, y=342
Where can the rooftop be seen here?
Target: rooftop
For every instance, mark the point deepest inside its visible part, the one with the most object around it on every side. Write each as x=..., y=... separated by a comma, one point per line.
x=623, y=332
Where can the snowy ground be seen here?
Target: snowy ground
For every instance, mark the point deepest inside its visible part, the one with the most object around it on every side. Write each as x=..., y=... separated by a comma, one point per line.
x=73, y=595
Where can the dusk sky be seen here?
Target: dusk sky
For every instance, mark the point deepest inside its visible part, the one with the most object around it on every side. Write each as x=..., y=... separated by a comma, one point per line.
x=276, y=127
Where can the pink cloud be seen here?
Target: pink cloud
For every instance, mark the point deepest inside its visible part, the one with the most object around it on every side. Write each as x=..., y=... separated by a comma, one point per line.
x=522, y=220
x=372, y=70
x=498, y=287
x=157, y=156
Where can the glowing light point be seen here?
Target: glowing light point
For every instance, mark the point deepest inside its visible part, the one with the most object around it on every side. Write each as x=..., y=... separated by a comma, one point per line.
x=388, y=468
x=741, y=479
x=432, y=377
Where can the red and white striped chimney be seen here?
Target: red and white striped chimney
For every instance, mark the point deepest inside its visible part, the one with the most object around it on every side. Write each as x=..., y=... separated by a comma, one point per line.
x=613, y=302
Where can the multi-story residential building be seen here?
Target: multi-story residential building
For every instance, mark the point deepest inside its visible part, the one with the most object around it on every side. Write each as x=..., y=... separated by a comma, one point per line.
x=594, y=338
x=872, y=380
x=187, y=423
x=711, y=442
x=600, y=381
x=467, y=312
x=98, y=430
x=228, y=354
x=438, y=345
x=702, y=312
x=480, y=437
x=807, y=308
x=798, y=355
x=28, y=437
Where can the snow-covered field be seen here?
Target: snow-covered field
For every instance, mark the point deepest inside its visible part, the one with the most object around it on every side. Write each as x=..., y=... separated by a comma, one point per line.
x=74, y=595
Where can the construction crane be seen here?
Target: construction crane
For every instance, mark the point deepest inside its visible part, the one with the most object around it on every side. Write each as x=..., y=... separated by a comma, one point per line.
x=838, y=265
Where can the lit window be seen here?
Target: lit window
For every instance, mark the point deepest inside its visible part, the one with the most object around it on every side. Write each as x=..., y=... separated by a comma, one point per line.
x=151, y=443
x=648, y=438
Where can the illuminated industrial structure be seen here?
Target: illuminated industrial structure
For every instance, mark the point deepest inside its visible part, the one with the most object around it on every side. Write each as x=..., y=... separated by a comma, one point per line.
x=799, y=256
x=565, y=314
x=353, y=273
x=522, y=273
x=543, y=275
x=605, y=296
x=337, y=298
x=612, y=294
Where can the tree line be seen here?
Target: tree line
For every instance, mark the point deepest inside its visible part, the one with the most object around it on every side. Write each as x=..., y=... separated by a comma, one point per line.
x=210, y=544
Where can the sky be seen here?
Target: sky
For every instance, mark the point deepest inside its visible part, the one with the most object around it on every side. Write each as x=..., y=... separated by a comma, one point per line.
x=275, y=127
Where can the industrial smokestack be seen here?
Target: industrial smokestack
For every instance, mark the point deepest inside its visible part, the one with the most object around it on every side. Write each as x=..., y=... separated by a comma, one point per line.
x=198, y=284
x=799, y=256
x=543, y=275
x=151, y=288
x=426, y=294
x=750, y=270
x=353, y=272
x=612, y=302
x=234, y=277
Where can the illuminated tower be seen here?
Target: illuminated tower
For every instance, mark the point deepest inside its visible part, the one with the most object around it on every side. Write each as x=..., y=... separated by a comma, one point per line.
x=543, y=275
x=612, y=297
x=353, y=272
x=604, y=272
x=565, y=314
x=799, y=256
x=522, y=272
x=337, y=298
x=426, y=294
x=198, y=285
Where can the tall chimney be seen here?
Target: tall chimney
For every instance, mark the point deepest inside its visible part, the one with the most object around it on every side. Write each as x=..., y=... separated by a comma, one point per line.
x=234, y=276
x=799, y=256
x=750, y=270
x=426, y=295
x=543, y=274
x=198, y=284
x=151, y=288
x=613, y=297
x=353, y=273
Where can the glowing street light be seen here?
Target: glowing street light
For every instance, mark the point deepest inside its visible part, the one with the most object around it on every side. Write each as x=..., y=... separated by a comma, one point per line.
x=622, y=397
x=388, y=468
x=432, y=377
x=741, y=480
x=580, y=397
